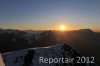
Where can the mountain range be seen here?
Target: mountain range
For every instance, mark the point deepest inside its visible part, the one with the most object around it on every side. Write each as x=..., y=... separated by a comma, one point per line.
x=84, y=41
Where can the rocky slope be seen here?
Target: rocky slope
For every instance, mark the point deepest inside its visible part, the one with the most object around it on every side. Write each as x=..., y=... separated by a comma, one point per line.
x=44, y=56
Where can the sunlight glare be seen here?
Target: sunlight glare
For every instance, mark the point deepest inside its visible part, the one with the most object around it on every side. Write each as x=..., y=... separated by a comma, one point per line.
x=62, y=28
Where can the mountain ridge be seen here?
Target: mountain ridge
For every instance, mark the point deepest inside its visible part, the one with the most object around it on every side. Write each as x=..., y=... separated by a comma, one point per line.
x=30, y=57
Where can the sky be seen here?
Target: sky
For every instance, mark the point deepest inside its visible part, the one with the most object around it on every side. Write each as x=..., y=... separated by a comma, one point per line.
x=50, y=14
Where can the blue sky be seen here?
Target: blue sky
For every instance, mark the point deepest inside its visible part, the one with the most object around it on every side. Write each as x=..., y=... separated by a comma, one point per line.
x=45, y=14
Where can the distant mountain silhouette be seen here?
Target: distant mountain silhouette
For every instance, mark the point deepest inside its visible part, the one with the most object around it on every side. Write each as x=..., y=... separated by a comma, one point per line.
x=11, y=40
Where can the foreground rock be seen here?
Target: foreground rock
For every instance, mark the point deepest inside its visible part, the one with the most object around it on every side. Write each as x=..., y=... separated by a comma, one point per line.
x=57, y=55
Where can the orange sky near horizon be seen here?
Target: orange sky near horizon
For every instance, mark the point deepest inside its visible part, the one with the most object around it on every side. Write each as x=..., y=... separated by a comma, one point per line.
x=50, y=14
x=67, y=28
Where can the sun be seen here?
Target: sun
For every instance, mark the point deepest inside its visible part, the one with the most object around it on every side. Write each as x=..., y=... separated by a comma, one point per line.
x=62, y=28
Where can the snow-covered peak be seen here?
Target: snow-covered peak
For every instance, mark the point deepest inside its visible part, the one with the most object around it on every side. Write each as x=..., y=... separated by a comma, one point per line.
x=42, y=56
